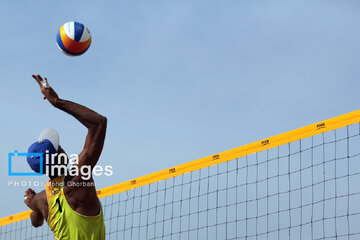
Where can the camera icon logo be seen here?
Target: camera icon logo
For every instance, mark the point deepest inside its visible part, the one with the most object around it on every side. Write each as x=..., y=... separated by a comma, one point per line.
x=17, y=154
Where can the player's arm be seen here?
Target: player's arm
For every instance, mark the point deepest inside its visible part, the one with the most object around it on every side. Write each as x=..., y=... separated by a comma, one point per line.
x=95, y=123
x=33, y=201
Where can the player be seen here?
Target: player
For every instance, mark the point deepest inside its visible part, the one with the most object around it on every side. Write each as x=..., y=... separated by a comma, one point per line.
x=69, y=204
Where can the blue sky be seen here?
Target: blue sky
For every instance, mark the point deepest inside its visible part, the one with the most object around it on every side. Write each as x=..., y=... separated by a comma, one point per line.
x=178, y=80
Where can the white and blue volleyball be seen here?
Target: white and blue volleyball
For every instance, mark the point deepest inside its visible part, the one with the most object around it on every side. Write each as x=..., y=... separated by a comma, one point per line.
x=73, y=38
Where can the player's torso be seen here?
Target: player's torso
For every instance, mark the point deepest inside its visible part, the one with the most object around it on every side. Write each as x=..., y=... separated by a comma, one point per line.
x=65, y=222
x=81, y=195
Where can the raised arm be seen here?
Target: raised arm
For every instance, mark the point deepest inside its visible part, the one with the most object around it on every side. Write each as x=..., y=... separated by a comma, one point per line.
x=95, y=123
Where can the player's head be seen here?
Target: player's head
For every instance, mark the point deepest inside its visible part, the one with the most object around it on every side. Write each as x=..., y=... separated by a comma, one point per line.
x=48, y=147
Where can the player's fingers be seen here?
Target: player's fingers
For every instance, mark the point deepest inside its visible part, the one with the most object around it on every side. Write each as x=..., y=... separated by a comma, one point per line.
x=29, y=190
x=37, y=80
x=39, y=77
x=35, y=77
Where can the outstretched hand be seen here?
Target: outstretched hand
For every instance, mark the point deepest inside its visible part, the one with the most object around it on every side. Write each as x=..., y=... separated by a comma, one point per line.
x=46, y=90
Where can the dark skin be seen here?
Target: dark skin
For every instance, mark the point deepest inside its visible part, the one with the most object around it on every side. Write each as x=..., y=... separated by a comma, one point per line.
x=82, y=199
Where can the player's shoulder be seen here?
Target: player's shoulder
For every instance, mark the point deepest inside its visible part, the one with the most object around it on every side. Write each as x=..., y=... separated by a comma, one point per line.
x=76, y=185
x=42, y=193
x=41, y=198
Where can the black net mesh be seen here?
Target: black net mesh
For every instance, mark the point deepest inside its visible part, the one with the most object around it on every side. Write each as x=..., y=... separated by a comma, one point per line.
x=307, y=189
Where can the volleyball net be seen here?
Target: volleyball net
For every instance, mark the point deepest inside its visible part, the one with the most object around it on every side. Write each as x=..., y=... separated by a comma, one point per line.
x=303, y=184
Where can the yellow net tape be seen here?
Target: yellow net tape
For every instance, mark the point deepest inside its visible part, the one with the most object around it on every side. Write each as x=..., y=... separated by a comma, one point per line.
x=271, y=142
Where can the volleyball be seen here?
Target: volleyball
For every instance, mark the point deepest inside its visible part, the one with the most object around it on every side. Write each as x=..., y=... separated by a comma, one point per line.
x=73, y=38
